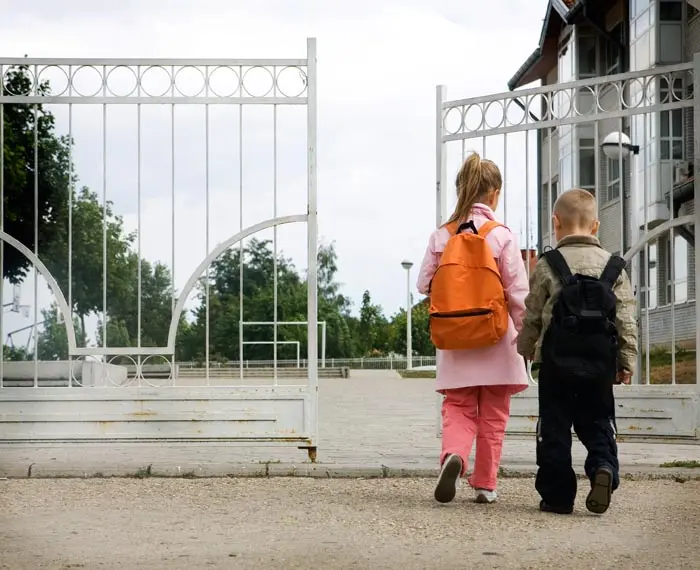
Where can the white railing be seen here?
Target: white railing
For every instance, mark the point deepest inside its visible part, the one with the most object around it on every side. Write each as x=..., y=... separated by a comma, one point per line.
x=368, y=363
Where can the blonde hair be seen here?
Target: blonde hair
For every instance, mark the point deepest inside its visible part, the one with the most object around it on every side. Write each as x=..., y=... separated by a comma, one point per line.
x=475, y=180
x=576, y=208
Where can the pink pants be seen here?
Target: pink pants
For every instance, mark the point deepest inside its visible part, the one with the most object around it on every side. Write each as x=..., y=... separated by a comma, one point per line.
x=481, y=412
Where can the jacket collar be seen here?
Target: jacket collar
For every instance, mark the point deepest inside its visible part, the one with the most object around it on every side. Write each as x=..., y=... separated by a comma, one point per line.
x=579, y=240
x=484, y=210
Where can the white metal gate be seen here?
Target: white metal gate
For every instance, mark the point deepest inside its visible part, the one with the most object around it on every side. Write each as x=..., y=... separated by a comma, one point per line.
x=532, y=127
x=132, y=393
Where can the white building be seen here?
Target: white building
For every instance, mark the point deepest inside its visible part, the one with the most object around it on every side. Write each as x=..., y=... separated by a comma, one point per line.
x=589, y=38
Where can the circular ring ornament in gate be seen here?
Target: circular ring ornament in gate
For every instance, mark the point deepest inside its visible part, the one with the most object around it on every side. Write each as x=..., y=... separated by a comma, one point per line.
x=161, y=381
x=286, y=79
x=561, y=104
x=539, y=105
x=453, y=120
x=90, y=80
x=224, y=81
x=495, y=115
x=609, y=92
x=78, y=362
x=512, y=108
x=473, y=118
x=258, y=74
x=634, y=92
x=122, y=75
x=58, y=78
x=29, y=73
x=119, y=360
x=190, y=75
x=150, y=75
x=584, y=100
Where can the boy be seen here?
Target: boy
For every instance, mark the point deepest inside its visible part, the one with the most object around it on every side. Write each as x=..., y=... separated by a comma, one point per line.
x=580, y=326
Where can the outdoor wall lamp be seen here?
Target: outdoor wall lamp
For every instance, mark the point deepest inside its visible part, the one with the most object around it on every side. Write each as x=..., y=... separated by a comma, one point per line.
x=617, y=145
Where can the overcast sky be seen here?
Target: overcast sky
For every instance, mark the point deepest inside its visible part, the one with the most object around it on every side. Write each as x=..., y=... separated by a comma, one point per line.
x=378, y=65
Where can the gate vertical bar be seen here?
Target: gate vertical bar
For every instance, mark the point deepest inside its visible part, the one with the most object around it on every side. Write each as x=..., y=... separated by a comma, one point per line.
x=621, y=184
x=104, y=219
x=696, y=210
x=275, y=309
x=207, y=325
x=527, y=203
x=672, y=233
x=139, y=269
x=71, y=190
x=645, y=306
x=550, y=202
x=505, y=168
x=240, y=245
x=2, y=227
x=312, y=239
x=36, y=232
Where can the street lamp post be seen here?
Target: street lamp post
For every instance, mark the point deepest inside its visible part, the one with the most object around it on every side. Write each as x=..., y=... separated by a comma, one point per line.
x=409, y=348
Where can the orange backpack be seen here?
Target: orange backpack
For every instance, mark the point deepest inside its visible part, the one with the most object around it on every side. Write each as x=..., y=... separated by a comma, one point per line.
x=468, y=307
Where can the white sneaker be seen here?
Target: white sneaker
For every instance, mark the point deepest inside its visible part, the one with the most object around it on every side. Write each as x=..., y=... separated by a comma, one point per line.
x=485, y=497
x=446, y=487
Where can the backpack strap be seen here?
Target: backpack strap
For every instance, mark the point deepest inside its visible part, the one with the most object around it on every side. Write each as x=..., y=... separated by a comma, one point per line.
x=558, y=264
x=486, y=228
x=613, y=270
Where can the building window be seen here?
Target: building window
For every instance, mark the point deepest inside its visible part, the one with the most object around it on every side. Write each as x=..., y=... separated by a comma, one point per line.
x=670, y=11
x=677, y=283
x=613, y=51
x=614, y=181
x=587, y=57
x=671, y=31
x=555, y=193
x=648, y=277
x=671, y=128
x=586, y=164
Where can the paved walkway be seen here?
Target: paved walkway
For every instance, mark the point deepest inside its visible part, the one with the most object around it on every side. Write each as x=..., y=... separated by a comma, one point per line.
x=368, y=425
x=225, y=524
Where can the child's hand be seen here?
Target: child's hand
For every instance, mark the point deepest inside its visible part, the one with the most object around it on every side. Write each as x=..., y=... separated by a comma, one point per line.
x=624, y=377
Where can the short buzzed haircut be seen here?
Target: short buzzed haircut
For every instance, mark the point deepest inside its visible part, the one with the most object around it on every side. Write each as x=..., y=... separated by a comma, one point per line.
x=576, y=208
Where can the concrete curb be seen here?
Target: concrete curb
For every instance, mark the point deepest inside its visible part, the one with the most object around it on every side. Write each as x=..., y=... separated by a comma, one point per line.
x=308, y=470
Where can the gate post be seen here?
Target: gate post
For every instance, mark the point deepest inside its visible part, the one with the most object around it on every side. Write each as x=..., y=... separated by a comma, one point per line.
x=696, y=213
x=441, y=160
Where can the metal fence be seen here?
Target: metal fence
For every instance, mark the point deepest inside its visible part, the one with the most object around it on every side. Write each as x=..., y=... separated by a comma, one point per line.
x=369, y=363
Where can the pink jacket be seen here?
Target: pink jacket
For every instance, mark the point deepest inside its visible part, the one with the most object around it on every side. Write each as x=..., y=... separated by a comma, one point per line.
x=498, y=364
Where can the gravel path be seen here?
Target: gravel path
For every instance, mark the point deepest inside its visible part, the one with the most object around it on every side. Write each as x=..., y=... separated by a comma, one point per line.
x=291, y=523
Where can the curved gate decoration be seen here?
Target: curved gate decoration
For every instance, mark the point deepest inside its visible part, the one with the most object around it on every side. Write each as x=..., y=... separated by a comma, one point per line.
x=549, y=118
x=132, y=402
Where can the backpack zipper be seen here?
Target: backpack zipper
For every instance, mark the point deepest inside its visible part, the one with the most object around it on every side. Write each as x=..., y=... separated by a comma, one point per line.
x=472, y=313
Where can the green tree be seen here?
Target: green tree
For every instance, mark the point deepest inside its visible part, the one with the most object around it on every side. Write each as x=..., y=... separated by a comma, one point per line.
x=374, y=330
x=84, y=237
x=52, y=339
x=16, y=353
x=420, y=331
x=46, y=172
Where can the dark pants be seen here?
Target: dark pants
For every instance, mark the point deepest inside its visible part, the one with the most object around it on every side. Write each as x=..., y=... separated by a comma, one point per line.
x=590, y=408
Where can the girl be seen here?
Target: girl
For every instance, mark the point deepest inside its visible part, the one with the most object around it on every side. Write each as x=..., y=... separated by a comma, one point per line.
x=477, y=384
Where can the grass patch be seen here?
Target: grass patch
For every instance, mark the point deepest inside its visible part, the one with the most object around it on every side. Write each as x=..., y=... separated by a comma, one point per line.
x=687, y=464
x=416, y=373
x=661, y=368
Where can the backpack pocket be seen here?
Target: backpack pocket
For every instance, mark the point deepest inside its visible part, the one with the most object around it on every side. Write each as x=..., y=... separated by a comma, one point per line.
x=468, y=329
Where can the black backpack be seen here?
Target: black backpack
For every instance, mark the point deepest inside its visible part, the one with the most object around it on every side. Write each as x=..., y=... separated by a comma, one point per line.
x=581, y=341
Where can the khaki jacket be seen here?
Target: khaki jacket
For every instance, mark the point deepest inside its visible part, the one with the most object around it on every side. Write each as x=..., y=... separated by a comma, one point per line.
x=583, y=255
